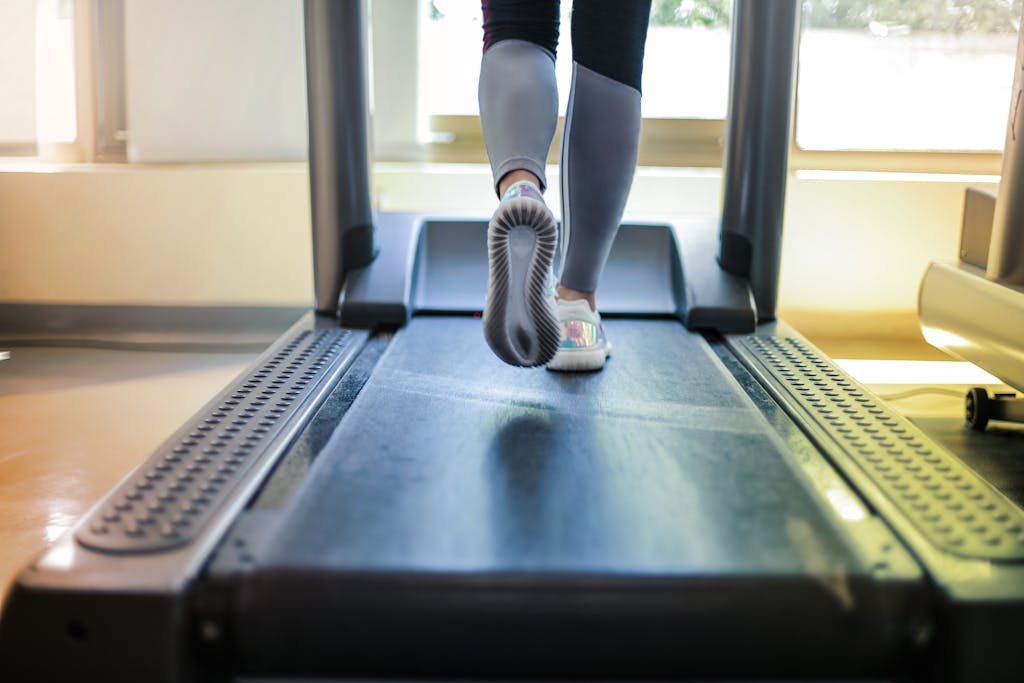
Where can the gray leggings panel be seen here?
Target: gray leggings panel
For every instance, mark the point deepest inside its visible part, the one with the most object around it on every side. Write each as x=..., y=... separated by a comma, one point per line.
x=518, y=107
x=599, y=154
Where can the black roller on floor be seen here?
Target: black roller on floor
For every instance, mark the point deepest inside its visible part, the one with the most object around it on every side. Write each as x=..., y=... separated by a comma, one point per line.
x=482, y=519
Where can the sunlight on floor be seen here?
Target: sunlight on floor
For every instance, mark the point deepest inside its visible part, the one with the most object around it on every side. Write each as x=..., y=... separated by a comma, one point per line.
x=916, y=372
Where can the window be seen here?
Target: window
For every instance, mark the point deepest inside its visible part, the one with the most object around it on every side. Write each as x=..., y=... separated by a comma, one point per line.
x=18, y=76
x=686, y=79
x=686, y=72
x=58, y=88
x=923, y=75
x=883, y=84
x=686, y=62
x=56, y=120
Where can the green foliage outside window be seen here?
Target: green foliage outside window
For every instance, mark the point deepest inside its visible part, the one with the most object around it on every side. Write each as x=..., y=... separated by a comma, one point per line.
x=705, y=13
x=939, y=16
x=943, y=16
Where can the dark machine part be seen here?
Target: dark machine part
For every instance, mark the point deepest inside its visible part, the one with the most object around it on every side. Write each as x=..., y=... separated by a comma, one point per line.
x=761, y=94
x=976, y=226
x=337, y=83
x=974, y=309
x=980, y=407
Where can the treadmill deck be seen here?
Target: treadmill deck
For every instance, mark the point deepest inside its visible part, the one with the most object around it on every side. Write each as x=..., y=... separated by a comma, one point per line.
x=638, y=521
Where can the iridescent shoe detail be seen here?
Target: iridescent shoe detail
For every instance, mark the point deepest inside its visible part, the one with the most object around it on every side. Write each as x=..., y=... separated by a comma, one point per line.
x=584, y=345
x=520, y=324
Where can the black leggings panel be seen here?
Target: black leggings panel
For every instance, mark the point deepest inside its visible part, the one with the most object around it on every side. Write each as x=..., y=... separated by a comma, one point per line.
x=608, y=36
x=535, y=21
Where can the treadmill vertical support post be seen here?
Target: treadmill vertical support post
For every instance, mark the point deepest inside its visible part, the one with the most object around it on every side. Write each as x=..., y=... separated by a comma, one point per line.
x=1006, y=246
x=761, y=94
x=337, y=87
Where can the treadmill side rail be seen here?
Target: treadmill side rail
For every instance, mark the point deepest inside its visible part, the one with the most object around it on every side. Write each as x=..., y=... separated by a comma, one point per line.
x=182, y=485
x=107, y=602
x=957, y=511
x=967, y=536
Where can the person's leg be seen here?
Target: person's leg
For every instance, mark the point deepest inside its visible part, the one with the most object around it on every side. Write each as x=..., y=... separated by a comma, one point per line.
x=599, y=150
x=517, y=93
x=518, y=112
x=601, y=136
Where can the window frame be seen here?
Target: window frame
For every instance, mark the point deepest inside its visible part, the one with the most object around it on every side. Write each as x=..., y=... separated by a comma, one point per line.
x=107, y=107
x=700, y=143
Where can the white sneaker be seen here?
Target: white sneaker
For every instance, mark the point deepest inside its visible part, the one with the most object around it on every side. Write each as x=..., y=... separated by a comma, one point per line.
x=520, y=324
x=584, y=345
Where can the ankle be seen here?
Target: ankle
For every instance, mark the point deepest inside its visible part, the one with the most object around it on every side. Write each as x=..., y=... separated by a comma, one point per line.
x=513, y=177
x=567, y=294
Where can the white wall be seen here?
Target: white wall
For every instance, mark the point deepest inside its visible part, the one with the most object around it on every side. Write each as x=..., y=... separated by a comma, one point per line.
x=226, y=80
x=241, y=233
x=166, y=234
x=860, y=242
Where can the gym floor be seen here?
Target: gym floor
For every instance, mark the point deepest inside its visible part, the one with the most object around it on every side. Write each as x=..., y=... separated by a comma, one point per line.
x=74, y=421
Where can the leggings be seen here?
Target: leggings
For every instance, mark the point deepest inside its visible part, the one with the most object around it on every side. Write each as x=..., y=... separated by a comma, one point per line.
x=519, y=113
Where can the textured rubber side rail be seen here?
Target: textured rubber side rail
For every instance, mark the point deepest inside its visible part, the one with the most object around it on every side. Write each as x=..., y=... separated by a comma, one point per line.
x=166, y=503
x=953, y=507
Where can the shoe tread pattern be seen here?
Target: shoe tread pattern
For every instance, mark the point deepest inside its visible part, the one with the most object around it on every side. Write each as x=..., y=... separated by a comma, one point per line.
x=514, y=213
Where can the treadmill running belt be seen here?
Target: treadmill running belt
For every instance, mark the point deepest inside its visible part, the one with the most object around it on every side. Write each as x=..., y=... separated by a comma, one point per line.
x=643, y=520
x=450, y=460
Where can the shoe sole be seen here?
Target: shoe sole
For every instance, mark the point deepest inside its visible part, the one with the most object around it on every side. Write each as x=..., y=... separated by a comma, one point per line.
x=520, y=324
x=578, y=360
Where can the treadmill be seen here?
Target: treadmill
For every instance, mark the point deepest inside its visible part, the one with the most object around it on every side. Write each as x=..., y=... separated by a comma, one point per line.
x=379, y=496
